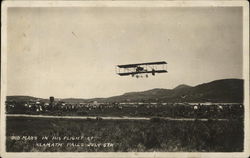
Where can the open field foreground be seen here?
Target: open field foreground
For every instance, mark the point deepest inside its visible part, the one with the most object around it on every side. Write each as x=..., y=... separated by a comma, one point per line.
x=86, y=135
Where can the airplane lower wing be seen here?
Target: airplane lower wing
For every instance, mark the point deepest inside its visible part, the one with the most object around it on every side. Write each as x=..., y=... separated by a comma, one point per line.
x=141, y=72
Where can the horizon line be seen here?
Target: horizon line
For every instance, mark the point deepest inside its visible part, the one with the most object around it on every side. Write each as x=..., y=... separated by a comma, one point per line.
x=23, y=95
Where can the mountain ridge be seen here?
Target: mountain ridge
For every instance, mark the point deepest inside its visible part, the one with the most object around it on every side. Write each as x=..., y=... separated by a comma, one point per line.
x=181, y=86
x=224, y=90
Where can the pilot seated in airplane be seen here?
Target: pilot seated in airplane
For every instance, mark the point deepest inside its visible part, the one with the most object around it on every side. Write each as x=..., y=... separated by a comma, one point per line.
x=138, y=69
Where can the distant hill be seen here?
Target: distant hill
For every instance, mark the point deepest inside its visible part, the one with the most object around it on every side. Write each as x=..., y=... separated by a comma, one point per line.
x=20, y=98
x=74, y=100
x=182, y=86
x=225, y=90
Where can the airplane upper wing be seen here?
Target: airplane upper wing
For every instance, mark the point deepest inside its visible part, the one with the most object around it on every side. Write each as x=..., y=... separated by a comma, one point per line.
x=135, y=65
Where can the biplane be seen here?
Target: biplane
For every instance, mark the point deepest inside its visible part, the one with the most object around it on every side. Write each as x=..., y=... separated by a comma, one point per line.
x=140, y=69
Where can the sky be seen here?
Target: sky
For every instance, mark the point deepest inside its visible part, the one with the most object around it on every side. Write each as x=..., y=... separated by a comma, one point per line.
x=72, y=52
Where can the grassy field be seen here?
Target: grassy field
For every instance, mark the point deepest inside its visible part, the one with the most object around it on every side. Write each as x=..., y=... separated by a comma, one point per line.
x=123, y=135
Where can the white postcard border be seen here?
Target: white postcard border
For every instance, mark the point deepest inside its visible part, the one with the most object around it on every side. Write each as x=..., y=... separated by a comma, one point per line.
x=243, y=4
